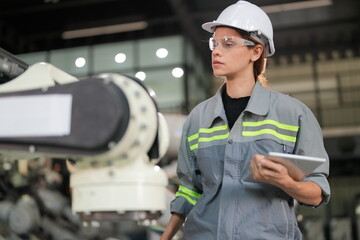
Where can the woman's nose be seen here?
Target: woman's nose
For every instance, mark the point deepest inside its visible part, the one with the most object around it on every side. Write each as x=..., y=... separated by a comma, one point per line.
x=217, y=50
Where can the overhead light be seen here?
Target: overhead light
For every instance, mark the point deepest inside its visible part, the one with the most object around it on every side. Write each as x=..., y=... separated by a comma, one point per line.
x=162, y=53
x=120, y=57
x=141, y=75
x=177, y=72
x=296, y=6
x=80, y=62
x=96, y=31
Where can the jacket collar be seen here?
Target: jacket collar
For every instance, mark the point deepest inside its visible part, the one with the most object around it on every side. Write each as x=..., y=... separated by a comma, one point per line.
x=215, y=108
x=259, y=103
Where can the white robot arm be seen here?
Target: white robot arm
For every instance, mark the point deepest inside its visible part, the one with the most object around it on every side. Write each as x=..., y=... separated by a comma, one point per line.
x=109, y=125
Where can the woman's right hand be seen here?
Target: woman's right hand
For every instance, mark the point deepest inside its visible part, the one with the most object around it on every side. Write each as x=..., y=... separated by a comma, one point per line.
x=175, y=222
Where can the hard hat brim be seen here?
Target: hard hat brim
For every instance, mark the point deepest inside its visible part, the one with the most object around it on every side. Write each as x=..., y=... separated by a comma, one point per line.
x=210, y=26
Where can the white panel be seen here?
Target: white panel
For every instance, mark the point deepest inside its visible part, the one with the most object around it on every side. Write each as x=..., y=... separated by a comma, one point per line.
x=37, y=115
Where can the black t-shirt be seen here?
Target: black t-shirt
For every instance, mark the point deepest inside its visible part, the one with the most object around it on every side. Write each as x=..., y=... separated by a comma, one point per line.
x=233, y=107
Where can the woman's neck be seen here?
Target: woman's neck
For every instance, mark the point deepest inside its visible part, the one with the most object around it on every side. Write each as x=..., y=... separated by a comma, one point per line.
x=237, y=88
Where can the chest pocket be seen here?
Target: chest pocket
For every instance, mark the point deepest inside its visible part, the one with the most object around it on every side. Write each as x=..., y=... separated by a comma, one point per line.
x=208, y=145
x=270, y=135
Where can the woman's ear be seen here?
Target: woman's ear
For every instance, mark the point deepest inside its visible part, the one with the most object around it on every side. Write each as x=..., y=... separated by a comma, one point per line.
x=256, y=52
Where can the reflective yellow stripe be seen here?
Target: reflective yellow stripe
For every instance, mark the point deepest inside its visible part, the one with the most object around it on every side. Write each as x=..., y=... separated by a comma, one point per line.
x=272, y=122
x=207, y=130
x=269, y=131
x=189, y=191
x=210, y=130
x=192, y=137
x=207, y=139
x=187, y=197
x=218, y=137
x=192, y=147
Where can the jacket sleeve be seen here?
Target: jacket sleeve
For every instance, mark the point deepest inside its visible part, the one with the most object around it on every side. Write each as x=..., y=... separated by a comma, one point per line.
x=310, y=143
x=190, y=188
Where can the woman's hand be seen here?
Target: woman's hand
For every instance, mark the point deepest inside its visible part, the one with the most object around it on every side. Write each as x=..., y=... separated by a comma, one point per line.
x=265, y=170
x=175, y=222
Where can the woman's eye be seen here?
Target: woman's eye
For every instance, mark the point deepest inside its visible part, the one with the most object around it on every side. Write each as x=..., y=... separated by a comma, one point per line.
x=229, y=44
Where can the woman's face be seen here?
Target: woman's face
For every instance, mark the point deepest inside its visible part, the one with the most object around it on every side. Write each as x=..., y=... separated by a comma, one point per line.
x=230, y=58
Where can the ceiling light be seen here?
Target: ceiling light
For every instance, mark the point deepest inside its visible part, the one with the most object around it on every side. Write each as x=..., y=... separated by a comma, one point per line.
x=177, y=72
x=140, y=75
x=118, y=28
x=162, y=53
x=120, y=58
x=80, y=62
x=296, y=6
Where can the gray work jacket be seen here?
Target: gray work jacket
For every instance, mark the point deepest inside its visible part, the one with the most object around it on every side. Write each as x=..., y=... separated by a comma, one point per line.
x=217, y=202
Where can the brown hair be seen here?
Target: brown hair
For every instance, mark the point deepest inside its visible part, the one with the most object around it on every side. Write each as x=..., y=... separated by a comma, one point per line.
x=260, y=64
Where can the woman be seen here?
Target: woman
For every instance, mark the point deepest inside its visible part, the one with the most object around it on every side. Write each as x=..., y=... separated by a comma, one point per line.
x=228, y=135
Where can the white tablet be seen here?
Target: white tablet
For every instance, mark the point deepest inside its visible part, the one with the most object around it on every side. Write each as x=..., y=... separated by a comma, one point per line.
x=298, y=166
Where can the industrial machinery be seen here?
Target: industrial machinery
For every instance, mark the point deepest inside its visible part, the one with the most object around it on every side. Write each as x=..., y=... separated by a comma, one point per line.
x=107, y=128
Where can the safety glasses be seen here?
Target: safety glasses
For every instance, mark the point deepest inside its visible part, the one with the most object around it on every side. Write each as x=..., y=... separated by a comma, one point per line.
x=228, y=43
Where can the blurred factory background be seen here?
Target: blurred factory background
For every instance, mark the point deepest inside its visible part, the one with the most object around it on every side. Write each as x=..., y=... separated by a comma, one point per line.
x=161, y=42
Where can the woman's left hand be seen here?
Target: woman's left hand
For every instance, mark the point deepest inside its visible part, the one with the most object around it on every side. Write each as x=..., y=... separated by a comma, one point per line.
x=265, y=170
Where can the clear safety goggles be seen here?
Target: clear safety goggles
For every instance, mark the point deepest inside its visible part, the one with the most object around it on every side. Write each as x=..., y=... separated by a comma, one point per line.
x=227, y=43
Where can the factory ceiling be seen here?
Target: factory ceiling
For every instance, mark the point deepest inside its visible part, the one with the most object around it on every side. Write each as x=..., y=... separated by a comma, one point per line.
x=299, y=26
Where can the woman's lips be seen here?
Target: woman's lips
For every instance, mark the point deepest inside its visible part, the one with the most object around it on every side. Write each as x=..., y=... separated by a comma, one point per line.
x=216, y=63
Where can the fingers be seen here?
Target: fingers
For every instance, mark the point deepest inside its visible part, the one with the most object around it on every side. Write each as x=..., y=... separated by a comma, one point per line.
x=264, y=163
x=264, y=170
x=255, y=163
x=256, y=167
x=257, y=158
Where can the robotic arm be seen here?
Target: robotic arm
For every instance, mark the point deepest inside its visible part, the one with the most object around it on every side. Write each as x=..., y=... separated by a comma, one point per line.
x=109, y=125
x=10, y=66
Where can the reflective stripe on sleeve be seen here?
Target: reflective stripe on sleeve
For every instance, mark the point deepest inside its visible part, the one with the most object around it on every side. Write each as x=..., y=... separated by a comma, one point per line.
x=187, y=197
x=189, y=191
x=190, y=195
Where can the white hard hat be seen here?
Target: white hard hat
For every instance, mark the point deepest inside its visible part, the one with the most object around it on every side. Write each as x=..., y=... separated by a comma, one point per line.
x=249, y=18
